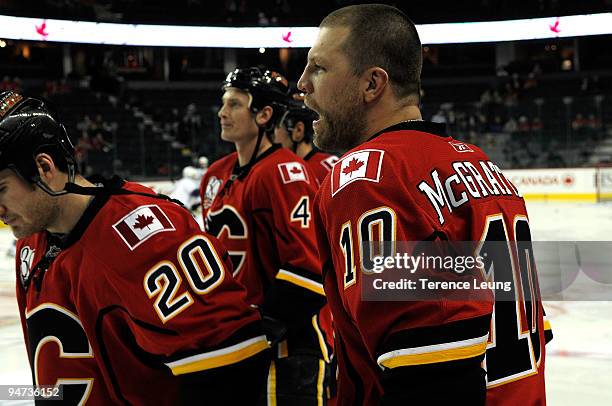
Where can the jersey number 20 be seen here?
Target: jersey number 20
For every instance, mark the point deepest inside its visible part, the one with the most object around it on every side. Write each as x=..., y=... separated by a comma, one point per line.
x=201, y=265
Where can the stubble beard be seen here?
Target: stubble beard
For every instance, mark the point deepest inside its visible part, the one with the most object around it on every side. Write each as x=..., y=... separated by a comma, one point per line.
x=345, y=129
x=43, y=211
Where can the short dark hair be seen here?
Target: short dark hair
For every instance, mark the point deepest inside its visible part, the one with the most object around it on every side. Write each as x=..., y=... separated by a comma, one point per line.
x=383, y=36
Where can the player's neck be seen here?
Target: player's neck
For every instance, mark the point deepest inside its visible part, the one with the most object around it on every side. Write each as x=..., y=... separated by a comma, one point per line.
x=380, y=118
x=71, y=208
x=245, y=150
x=303, y=149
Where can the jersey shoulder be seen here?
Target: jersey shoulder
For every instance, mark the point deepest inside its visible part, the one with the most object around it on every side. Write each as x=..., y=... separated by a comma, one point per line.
x=137, y=226
x=323, y=160
x=395, y=160
x=427, y=146
x=222, y=166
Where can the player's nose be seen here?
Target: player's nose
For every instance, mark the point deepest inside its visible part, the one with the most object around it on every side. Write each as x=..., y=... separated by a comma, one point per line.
x=304, y=83
x=221, y=113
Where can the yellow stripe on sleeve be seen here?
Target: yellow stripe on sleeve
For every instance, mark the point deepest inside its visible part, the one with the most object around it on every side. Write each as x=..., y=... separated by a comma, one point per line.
x=434, y=354
x=300, y=281
x=219, y=358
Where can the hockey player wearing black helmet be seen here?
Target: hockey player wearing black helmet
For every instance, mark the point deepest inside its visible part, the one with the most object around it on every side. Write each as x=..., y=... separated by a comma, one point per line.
x=252, y=105
x=36, y=162
x=294, y=129
x=258, y=202
x=120, y=280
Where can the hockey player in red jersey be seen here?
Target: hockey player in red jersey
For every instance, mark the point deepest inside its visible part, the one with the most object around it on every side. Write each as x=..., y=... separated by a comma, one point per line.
x=294, y=131
x=258, y=201
x=403, y=179
x=123, y=300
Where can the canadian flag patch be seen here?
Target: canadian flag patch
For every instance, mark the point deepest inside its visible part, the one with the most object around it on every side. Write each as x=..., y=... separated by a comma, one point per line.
x=141, y=224
x=293, y=172
x=329, y=162
x=359, y=165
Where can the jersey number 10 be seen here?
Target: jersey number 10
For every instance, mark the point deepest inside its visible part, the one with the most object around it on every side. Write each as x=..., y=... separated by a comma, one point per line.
x=513, y=350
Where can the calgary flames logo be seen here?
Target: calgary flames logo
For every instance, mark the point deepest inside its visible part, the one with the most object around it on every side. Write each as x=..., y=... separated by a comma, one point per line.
x=212, y=188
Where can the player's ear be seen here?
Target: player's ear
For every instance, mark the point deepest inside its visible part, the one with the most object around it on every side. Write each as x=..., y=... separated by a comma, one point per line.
x=374, y=82
x=298, y=132
x=46, y=167
x=264, y=115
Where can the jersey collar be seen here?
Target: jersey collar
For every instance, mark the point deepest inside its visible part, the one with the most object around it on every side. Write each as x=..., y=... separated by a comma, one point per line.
x=430, y=127
x=240, y=172
x=90, y=212
x=56, y=243
x=311, y=153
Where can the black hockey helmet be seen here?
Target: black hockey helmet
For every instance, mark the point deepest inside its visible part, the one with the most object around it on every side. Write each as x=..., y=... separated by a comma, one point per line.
x=27, y=128
x=296, y=111
x=267, y=88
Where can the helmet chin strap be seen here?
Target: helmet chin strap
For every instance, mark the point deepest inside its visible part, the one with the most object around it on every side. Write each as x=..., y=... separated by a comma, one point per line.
x=244, y=170
x=294, y=147
x=112, y=186
x=261, y=133
x=283, y=122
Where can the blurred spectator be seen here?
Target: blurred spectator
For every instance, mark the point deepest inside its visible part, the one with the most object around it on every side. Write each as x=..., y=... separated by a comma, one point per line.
x=536, y=124
x=511, y=126
x=593, y=122
x=439, y=117
x=84, y=125
x=496, y=126
x=590, y=85
x=485, y=97
x=100, y=144
x=190, y=126
x=7, y=84
x=578, y=123
x=262, y=20
x=81, y=151
x=523, y=125
x=15, y=84
x=530, y=84
x=53, y=87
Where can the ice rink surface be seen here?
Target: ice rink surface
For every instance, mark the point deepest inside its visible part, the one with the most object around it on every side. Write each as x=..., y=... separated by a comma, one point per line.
x=579, y=359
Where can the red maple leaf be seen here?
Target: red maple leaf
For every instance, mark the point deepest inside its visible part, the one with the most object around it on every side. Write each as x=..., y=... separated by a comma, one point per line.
x=352, y=167
x=287, y=37
x=143, y=221
x=295, y=170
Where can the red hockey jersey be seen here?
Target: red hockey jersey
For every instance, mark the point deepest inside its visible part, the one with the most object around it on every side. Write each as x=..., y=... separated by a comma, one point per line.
x=264, y=220
x=412, y=183
x=320, y=163
x=133, y=297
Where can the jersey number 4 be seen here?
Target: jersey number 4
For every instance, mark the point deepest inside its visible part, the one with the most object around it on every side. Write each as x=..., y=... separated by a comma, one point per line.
x=201, y=266
x=301, y=212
